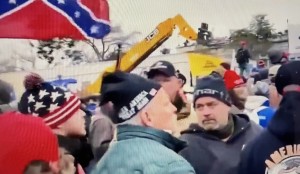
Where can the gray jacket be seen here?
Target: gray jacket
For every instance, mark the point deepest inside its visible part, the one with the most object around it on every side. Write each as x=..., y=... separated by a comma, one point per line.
x=210, y=155
x=100, y=134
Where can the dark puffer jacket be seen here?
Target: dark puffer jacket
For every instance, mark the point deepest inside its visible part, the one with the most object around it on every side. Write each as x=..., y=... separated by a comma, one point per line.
x=210, y=155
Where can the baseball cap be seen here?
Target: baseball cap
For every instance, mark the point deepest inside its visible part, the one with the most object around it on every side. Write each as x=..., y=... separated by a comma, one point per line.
x=232, y=80
x=161, y=67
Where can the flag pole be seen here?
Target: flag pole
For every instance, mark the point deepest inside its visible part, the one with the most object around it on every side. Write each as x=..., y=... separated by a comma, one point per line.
x=287, y=22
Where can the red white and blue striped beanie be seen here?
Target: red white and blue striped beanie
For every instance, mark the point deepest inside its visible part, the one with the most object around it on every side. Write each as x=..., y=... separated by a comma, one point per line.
x=55, y=105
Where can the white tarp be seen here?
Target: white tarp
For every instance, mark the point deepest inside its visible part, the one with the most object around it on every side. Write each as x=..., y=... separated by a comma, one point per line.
x=294, y=40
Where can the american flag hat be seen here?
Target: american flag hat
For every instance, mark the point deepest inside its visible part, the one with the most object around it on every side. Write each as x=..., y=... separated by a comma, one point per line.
x=55, y=105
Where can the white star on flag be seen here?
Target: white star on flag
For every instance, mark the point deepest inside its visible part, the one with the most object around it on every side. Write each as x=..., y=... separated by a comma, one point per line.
x=43, y=93
x=35, y=114
x=77, y=14
x=61, y=1
x=12, y=1
x=31, y=98
x=53, y=107
x=38, y=105
x=94, y=29
x=29, y=110
x=55, y=95
x=68, y=95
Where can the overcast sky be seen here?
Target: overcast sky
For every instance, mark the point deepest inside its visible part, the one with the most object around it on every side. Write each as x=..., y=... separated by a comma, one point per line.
x=221, y=15
x=144, y=15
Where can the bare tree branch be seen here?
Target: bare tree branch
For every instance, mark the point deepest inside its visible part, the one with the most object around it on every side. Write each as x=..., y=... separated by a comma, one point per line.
x=91, y=43
x=103, y=48
x=115, y=36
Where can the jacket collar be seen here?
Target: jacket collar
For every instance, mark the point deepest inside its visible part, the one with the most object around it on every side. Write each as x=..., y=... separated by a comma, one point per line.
x=241, y=124
x=125, y=132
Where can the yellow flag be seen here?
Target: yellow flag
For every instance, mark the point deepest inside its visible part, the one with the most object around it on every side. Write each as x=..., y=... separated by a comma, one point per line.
x=202, y=65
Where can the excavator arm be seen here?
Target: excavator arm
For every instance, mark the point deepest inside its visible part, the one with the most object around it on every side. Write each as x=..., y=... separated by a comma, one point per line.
x=143, y=49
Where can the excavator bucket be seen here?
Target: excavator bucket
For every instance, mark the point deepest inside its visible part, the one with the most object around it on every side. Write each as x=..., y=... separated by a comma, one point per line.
x=185, y=29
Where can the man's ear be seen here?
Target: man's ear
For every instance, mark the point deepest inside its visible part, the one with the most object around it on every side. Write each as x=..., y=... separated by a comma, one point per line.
x=61, y=126
x=60, y=130
x=146, y=118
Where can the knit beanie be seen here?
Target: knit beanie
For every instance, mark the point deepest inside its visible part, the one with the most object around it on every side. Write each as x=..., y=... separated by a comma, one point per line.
x=23, y=140
x=232, y=79
x=211, y=86
x=288, y=74
x=129, y=94
x=55, y=105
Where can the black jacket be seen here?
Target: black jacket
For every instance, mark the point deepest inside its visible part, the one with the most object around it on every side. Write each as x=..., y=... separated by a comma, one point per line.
x=277, y=149
x=210, y=155
x=242, y=56
x=78, y=148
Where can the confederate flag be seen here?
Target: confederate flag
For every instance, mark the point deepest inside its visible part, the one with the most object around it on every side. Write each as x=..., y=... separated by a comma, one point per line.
x=47, y=19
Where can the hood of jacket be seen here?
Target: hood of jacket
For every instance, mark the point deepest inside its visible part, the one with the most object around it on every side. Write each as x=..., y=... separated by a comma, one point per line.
x=253, y=102
x=241, y=123
x=126, y=131
x=235, y=111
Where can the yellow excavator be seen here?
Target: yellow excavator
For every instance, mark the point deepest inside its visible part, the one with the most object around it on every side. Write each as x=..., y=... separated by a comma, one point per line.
x=144, y=48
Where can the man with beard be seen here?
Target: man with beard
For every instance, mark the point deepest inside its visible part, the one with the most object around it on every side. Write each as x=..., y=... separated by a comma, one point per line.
x=237, y=90
x=164, y=73
x=216, y=141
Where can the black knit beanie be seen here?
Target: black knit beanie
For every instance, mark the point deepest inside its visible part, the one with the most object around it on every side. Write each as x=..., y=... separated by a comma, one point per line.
x=211, y=86
x=288, y=74
x=128, y=92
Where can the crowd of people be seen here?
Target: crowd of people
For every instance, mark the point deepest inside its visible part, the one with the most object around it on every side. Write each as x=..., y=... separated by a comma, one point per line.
x=244, y=124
